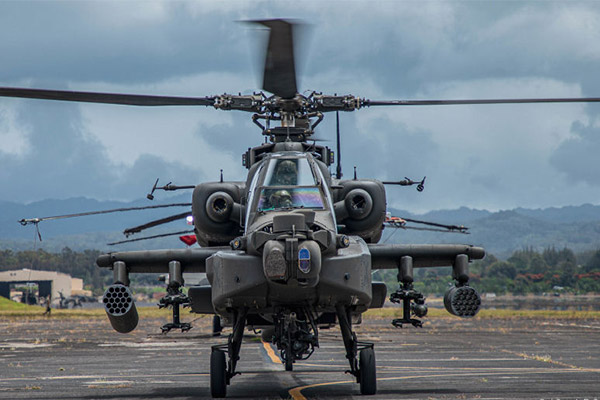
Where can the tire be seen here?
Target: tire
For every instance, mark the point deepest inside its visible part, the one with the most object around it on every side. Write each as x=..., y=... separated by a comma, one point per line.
x=218, y=374
x=368, y=372
x=216, y=326
x=289, y=364
x=289, y=358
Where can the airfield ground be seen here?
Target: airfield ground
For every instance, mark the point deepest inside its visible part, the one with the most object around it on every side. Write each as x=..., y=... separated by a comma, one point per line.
x=537, y=356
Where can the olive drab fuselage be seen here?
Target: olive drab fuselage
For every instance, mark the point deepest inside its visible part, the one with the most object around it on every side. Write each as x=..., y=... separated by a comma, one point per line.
x=296, y=235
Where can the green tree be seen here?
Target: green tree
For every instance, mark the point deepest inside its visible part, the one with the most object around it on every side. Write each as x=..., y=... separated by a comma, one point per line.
x=502, y=269
x=593, y=263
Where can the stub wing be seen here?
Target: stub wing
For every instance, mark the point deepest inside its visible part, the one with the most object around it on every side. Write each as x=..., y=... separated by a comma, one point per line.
x=388, y=256
x=157, y=261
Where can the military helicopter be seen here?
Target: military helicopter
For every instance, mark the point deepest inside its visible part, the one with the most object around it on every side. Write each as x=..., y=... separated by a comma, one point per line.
x=291, y=249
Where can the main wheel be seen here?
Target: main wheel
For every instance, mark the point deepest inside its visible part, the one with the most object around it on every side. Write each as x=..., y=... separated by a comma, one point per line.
x=218, y=374
x=368, y=373
x=289, y=364
x=216, y=326
x=289, y=359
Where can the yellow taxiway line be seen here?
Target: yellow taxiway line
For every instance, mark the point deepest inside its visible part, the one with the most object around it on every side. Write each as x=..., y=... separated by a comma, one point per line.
x=271, y=353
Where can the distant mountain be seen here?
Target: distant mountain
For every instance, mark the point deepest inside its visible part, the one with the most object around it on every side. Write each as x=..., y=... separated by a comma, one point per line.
x=85, y=232
x=463, y=215
x=583, y=213
x=502, y=232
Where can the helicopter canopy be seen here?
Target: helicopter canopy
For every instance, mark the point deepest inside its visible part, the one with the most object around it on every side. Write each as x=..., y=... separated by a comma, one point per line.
x=289, y=182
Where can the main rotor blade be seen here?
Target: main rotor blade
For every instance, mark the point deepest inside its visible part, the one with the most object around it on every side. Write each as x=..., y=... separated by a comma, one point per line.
x=151, y=224
x=462, y=229
x=370, y=103
x=150, y=237
x=280, y=69
x=26, y=221
x=106, y=98
x=417, y=228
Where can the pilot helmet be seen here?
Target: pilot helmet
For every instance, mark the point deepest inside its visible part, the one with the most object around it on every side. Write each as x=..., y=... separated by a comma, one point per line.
x=281, y=198
x=286, y=173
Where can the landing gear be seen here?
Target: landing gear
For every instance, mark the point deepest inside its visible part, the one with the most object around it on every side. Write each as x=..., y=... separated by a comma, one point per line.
x=368, y=374
x=364, y=370
x=221, y=372
x=216, y=326
x=218, y=374
x=289, y=358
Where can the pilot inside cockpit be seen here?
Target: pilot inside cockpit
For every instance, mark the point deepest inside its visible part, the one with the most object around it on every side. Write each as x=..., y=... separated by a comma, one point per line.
x=289, y=183
x=281, y=199
x=285, y=174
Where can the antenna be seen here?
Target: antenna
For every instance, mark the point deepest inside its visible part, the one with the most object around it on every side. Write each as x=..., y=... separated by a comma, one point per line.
x=338, y=169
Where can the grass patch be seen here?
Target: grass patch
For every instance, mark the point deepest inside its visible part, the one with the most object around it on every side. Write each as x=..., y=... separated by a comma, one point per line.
x=88, y=313
x=8, y=305
x=12, y=309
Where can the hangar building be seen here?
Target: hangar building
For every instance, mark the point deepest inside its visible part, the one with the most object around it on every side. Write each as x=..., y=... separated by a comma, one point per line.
x=49, y=282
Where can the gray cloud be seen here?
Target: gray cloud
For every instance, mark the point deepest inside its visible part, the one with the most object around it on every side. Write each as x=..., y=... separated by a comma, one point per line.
x=495, y=157
x=62, y=161
x=578, y=157
x=119, y=41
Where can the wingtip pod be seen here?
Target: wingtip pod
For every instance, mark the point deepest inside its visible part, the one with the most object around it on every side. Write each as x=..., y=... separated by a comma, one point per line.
x=120, y=308
x=476, y=253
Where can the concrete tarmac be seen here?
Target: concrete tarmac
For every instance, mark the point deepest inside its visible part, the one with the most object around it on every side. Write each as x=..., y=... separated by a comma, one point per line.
x=449, y=358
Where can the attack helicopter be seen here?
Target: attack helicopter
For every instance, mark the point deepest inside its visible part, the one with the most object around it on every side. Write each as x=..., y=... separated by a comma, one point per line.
x=290, y=249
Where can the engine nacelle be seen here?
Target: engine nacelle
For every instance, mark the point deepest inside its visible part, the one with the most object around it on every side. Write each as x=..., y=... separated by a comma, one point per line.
x=360, y=206
x=219, y=206
x=217, y=212
x=358, y=203
x=120, y=308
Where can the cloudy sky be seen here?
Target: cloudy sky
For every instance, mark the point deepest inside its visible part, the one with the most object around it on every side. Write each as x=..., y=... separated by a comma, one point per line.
x=492, y=156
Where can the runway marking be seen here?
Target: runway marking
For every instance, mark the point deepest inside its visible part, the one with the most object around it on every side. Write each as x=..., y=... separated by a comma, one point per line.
x=97, y=377
x=570, y=325
x=392, y=369
x=406, y=360
x=546, y=359
x=271, y=353
x=296, y=393
x=152, y=345
x=21, y=345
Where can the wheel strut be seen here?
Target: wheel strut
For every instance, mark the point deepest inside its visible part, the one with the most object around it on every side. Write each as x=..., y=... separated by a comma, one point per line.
x=363, y=370
x=221, y=372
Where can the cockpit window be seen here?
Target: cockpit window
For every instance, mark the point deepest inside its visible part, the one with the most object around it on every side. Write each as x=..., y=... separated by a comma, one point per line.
x=289, y=172
x=298, y=197
x=289, y=183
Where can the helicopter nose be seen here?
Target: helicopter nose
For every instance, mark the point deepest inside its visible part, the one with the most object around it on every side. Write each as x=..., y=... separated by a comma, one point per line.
x=292, y=262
